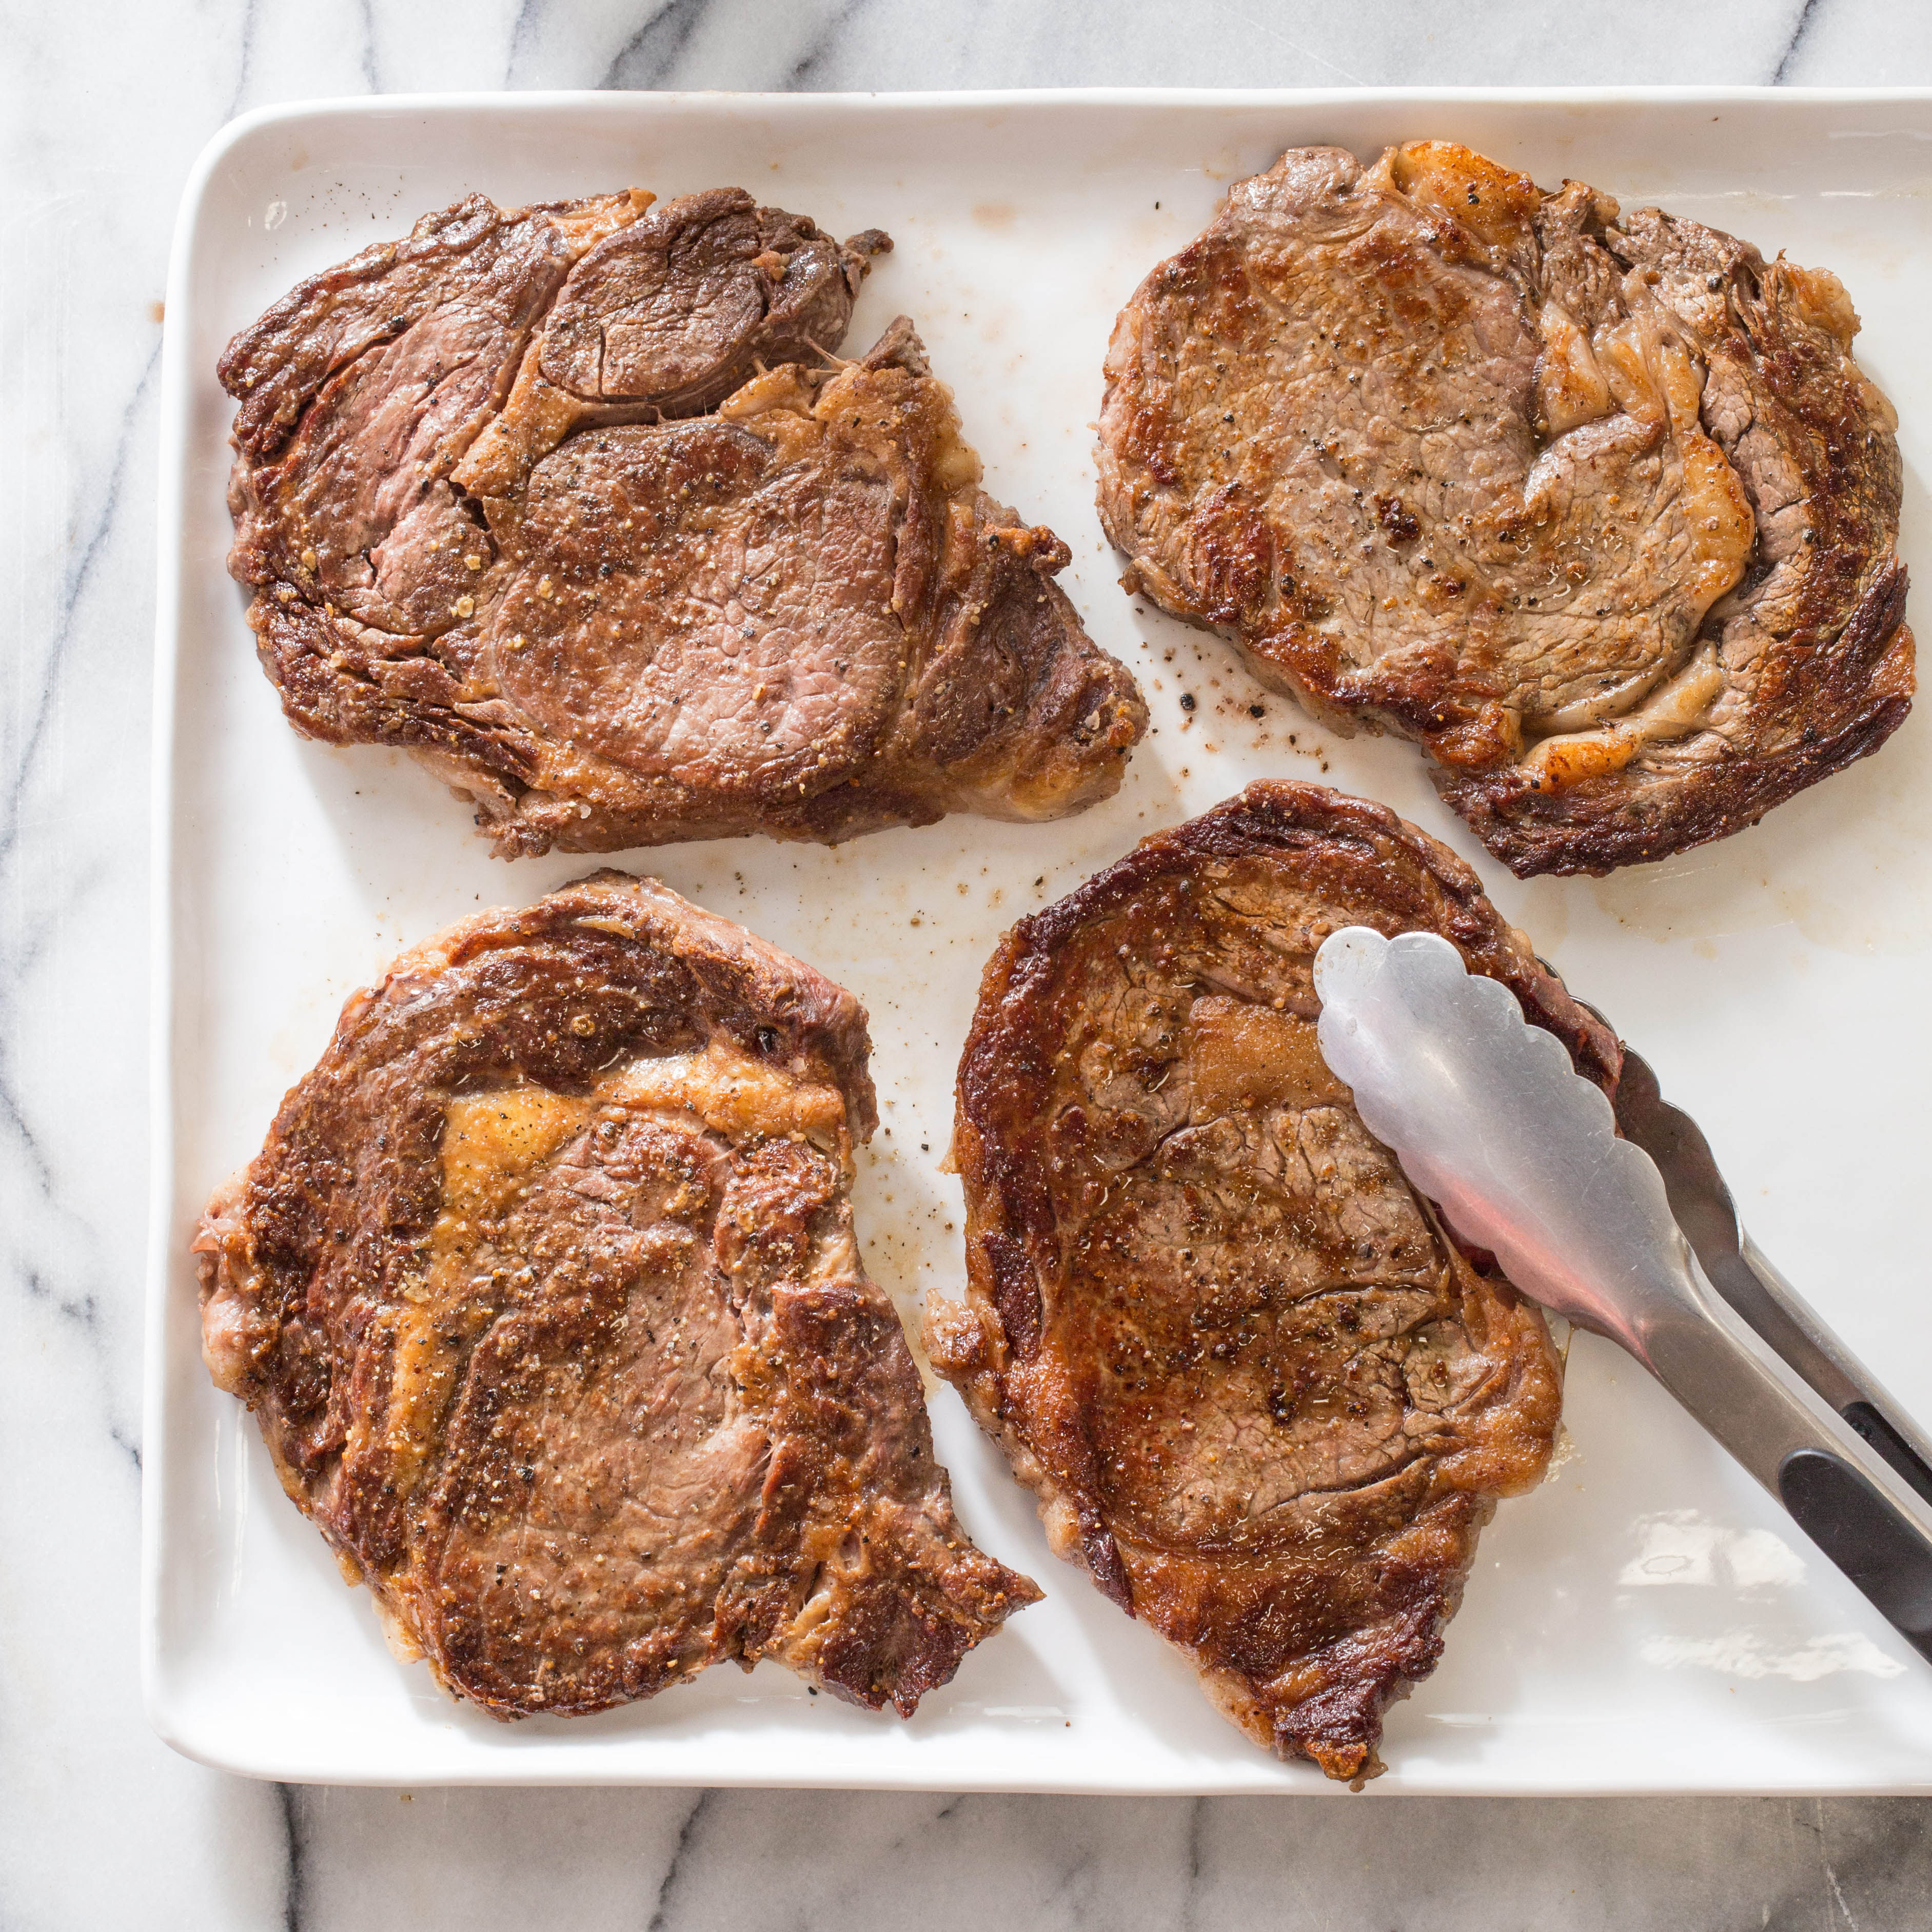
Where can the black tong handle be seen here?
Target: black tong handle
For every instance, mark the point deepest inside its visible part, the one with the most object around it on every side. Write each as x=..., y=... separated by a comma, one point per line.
x=1834, y=1503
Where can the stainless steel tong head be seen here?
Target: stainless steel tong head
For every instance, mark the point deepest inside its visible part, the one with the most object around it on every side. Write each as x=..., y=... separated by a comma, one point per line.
x=1632, y=1236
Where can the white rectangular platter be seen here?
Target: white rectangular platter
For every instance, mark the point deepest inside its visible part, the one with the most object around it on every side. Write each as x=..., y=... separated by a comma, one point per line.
x=1647, y=1621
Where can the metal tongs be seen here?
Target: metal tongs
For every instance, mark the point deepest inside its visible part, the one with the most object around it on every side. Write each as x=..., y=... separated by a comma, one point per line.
x=1635, y=1238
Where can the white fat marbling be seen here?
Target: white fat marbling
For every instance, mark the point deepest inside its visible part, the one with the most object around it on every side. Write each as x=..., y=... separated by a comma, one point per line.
x=102, y=108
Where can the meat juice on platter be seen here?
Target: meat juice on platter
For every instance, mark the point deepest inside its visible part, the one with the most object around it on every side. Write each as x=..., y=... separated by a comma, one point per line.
x=1263, y=1399
x=545, y=1293
x=577, y=504
x=1597, y=509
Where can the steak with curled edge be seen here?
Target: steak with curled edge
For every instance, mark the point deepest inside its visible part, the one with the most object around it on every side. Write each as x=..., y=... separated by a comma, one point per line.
x=575, y=504
x=1260, y=1396
x=1597, y=509
x=545, y=1293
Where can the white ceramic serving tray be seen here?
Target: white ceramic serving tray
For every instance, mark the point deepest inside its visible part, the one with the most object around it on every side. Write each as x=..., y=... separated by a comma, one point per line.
x=1648, y=1621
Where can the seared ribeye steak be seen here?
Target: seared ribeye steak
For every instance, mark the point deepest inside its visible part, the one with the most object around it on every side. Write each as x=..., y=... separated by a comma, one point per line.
x=575, y=504
x=545, y=1293
x=1599, y=510
x=1261, y=1396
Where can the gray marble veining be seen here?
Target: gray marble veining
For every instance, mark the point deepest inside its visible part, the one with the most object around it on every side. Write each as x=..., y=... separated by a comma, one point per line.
x=103, y=107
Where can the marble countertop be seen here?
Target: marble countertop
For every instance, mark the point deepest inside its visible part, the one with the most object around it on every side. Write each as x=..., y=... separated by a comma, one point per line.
x=103, y=108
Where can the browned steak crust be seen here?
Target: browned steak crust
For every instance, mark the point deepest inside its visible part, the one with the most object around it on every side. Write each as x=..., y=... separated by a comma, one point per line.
x=1598, y=509
x=1260, y=1395
x=574, y=504
x=545, y=1293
